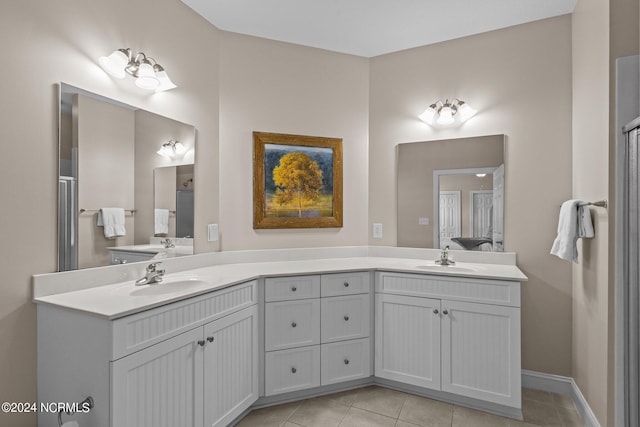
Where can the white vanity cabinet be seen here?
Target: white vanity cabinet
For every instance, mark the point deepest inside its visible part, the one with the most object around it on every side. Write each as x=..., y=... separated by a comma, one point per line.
x=190, y=363
x=316, y=330
x=453, y=334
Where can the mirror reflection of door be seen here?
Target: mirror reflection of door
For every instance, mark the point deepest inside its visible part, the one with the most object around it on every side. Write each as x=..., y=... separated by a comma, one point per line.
x=450, y=222
x=498, y=210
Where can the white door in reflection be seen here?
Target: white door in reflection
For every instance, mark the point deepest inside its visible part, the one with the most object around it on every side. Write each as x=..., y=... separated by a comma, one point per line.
x=449, y=217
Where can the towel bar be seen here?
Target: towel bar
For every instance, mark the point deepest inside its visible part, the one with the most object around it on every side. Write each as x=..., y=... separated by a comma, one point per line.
x=82, y=210
x=599, y=204
x=86, y=405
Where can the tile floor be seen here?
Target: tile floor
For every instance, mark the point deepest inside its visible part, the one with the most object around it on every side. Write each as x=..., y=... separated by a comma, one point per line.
x=380, y=407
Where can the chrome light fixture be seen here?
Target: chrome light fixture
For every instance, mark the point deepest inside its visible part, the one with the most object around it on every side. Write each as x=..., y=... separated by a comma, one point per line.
x=447, y=112
x=172, y=148
x=148, y=73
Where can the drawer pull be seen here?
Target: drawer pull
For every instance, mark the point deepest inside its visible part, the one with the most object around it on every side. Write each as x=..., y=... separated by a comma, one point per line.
x=293, y=289
x=210, y=339
x=346, y=361
x=435, y=311
x=346, y=284
x=294, y=370
x=346, y=318
x=445, y=312
x=201, y=343
x=294, y=324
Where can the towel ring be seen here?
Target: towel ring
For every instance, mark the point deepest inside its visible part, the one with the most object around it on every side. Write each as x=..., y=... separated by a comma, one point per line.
x=88, y=401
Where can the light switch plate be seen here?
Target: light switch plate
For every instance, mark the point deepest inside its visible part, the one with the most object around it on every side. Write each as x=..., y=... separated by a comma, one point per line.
x=423, y=221
x=377, y=230
x=212, y=232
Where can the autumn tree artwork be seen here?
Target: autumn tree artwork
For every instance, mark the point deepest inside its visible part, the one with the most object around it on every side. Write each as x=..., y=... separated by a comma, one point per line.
x=295, y=181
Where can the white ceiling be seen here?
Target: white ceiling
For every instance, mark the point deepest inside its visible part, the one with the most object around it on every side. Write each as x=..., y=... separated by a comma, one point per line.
x=372, y=27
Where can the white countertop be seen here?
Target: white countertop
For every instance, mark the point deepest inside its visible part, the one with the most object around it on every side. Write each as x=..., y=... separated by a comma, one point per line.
x=124, y=298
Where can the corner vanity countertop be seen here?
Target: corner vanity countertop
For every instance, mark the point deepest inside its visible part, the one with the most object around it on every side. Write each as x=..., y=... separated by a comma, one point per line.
x=154, y=249
x=117, y=300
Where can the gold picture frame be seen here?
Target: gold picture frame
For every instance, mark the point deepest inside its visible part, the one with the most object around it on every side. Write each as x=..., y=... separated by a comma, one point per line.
x=297, y=181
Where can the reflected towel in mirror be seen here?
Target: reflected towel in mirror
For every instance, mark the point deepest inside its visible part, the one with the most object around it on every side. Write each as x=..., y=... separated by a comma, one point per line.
x=112, y=219
x=161, y=221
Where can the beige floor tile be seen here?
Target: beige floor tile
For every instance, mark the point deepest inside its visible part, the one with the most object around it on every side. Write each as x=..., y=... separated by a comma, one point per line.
x=570, y=417
x=361, y=418
x=344, y=397
x=269, y=417
x=539, y=413
x=401, y=423
x=426, y=412
x=516, y=423
x=562, y=401
x=319, y=412
x=380, y=400
x=465, y=417
x=537, y=395
x=290, y=424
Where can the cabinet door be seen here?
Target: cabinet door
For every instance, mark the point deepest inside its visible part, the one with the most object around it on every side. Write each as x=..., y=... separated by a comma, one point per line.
x=230, y=366
x=160, y=386
x=408, y=340
x=481, y=351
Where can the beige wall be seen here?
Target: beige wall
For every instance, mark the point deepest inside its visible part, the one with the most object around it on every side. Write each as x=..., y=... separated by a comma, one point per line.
x=519, y=79
x=278, y=87
x=591, y=182
x=106, y=140
x=61, y=41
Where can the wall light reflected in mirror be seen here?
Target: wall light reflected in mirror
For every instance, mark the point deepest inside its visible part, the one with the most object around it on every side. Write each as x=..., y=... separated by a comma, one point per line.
x=172, y=148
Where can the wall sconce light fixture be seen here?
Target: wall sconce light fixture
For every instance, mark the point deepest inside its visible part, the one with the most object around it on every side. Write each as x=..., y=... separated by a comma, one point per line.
x=171, y=148
x=445, y=113
x=148, y=73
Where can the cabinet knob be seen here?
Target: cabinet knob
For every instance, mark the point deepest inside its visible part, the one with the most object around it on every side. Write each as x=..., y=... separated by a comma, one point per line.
x=445, y=312
x=346, y=318
x=293, y=289
x=201, y=343
x=294, y=370
x=294, y=324
x=346, y=361
x=346, y=284
x=210, y=339
x=435, y=311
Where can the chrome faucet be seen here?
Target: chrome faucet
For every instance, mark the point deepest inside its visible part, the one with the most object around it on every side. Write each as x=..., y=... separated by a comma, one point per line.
x=153, y=275
x=444, y=257
x=168, y=243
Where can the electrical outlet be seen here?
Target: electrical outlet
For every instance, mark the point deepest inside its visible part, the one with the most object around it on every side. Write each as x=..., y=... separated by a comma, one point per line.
x=377, y=231
x=212, y=232
x=423, y=221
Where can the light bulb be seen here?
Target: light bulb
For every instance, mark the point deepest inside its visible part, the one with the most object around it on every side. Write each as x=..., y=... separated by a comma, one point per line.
x=427, y=115
x=146, y=77
x=446, y=116
x=115, y=63
x=165, y=81
x=179, y=147
x=465, y=111
x=165, y=150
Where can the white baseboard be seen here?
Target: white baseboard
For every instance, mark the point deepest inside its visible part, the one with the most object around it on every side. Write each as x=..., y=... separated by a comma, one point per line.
x=561, y=385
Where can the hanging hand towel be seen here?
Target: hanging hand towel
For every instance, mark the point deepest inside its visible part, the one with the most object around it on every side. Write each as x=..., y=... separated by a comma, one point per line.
x=112, y=219
x=161, y=221
x=574, y=222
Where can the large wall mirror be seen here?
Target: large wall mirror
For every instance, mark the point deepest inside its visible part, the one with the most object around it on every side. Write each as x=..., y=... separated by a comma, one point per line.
x=112, y=157
x=451, y=193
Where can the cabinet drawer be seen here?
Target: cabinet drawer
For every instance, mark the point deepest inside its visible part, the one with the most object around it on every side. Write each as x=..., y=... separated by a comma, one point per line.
x=345, y=317
x=292, y=324
x=293, y=369
x=485, y=291
x=291, y=288
x=344, y=283
x=345, y=361
x=135, y=332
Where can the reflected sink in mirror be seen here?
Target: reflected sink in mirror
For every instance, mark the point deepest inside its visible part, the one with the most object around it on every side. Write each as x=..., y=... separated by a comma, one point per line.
x=447, y=268
x=170, y=285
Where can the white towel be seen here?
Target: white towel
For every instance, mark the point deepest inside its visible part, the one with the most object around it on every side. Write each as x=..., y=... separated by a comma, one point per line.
x=574, y=222
x=161, y=221
x=112, y=219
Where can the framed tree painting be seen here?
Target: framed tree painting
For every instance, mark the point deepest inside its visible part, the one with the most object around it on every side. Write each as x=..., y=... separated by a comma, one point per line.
x=297, y=181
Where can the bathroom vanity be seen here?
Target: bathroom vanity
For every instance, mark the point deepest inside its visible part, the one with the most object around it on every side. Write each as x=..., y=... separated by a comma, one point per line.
x=221, y=336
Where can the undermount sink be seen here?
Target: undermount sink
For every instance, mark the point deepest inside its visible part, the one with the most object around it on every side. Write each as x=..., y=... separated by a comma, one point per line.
x=450, y=268
x=169, y=285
